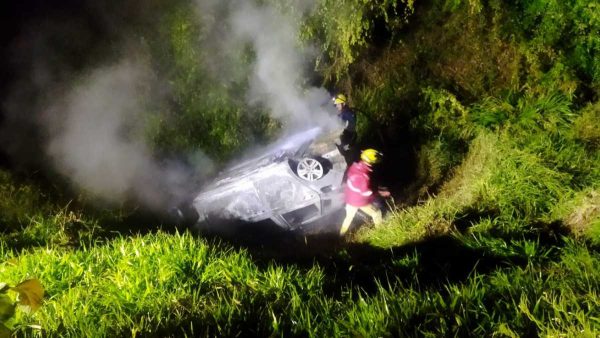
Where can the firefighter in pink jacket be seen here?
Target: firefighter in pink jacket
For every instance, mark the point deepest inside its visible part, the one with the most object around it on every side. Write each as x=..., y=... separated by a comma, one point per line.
x=358, y=191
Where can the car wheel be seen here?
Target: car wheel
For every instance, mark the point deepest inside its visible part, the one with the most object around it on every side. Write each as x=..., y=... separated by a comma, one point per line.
x=310, y=169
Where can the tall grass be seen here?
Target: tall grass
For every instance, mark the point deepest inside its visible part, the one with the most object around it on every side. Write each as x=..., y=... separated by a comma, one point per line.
x=515, y=176
x=177, y=285
x=510, y=171
x=18, y=200
x=472, y=260
x=581, y=213
x=28, y=218
x=147, y=285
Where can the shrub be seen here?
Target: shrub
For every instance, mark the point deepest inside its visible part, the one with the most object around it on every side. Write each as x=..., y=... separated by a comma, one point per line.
x=587, y=128
x=19, y=201
x=580, y=212
x=521, y=186
x=29, y=218
x=343, y=29
x=444, y=129
x=204, y=111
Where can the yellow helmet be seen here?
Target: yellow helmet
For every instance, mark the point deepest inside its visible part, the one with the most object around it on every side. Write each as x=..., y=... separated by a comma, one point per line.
x=370, y=156
x=339, y=98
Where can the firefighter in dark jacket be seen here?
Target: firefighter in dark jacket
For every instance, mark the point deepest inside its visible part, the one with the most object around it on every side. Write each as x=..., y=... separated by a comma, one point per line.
x=348, y=136
x=358, y=192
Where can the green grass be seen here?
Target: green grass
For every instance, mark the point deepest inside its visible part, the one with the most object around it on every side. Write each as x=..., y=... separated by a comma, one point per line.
x=145, y=284
x=174, y=284
x=29, y=218
x=503, y=241
x=507, y=247
x=19, y=201
x=519, y=189
x=482, y=257
x=511, y=181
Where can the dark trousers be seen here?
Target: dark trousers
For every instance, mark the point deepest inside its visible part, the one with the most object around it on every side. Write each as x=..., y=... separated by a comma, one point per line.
x=348, y=147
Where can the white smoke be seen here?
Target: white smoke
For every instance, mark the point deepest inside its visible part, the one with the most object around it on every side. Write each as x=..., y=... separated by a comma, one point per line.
x=96, y=139
x=94, y=132
x=280, y=61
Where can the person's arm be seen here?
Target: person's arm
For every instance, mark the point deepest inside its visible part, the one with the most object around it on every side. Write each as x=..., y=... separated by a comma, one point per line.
x=359, y=184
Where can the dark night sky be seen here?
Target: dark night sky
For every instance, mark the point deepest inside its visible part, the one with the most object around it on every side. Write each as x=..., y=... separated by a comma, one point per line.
x=74, y=33
x=18, y=20
x=16, y=16
x=61, y=33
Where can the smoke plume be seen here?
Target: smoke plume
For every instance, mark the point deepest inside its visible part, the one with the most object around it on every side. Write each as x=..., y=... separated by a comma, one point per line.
x=279, y=71
x=96, y=138
x=93, y=131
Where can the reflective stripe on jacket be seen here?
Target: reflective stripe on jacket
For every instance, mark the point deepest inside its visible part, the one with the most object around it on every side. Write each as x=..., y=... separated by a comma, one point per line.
x=358, y=191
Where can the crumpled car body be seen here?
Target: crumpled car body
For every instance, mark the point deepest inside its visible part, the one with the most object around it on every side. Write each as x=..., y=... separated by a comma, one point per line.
x=295, y=182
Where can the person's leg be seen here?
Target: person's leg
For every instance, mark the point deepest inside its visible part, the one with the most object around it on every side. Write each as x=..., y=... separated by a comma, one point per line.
x=347, y=146
x=374, y=212
x=350, y=213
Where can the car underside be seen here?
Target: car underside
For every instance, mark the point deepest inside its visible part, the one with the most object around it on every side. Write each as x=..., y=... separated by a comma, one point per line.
x=296, y=181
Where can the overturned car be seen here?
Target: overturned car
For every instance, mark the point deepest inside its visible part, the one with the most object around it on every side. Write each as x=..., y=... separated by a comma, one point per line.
x=295, y=182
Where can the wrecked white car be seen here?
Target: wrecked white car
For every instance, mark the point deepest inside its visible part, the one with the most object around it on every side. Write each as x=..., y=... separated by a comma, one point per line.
x=295, y=182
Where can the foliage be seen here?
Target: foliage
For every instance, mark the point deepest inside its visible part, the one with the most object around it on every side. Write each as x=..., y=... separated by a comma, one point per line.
x=513, y=184
x=499, y=101
x=172, y=285
x=587, y=128
x=514, y=180
x=520, y=186
x=547, y=112
x=30, y=218
x=564, y=27
x=30, y=294
x=580, y=212
x=166, y=283
x=445, y=115
x=18, y=200
x=344, y=28
x=551, y=33
x=444, y=131
x=206, y=109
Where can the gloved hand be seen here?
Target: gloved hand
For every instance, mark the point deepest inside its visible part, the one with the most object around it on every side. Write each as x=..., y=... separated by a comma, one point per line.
x=384, y=192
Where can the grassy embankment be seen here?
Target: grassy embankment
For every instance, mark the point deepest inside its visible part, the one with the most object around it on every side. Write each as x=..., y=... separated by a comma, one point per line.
x=489, y=278
x=503, y=241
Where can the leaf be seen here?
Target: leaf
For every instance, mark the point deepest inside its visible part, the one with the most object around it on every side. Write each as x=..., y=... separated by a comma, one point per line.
x=7, y=308
x=5, y=332
x=31, y=293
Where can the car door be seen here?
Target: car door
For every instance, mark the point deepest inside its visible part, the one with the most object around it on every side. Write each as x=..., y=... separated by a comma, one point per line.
x=288, y=197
